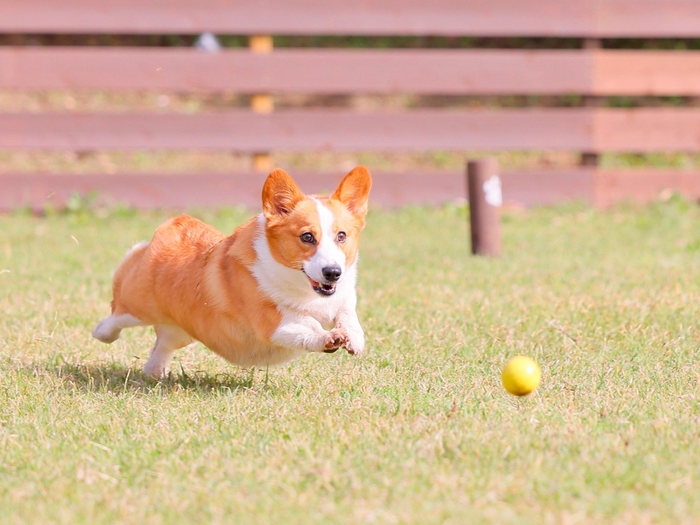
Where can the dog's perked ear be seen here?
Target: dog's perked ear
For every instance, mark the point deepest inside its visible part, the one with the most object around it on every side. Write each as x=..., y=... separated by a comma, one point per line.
x=354, y=189
x=280, y=194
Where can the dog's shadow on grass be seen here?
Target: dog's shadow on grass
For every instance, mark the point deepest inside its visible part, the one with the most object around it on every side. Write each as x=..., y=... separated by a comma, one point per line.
x=118, y=378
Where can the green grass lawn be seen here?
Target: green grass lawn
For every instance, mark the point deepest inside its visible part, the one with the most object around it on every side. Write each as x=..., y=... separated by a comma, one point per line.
x=417, y=430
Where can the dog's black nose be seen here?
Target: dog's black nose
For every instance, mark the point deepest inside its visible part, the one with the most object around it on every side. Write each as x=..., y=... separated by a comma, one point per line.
x=332, y=273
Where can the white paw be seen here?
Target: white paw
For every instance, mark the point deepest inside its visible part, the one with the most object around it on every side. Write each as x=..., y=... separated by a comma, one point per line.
x=106, y=332
x=355, y=347
x=335, y=339
x=355, y=343
x=155, y=369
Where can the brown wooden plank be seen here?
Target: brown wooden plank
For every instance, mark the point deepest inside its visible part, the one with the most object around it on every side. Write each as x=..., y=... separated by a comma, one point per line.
x=372, y=17
x=148, y=191
x=454, y=72
x=601, y=18
x=143, y=191
x=187, y=190
x=643, y=185
x=647, y=18
x=647, y=129
x=528, y=188
x=547, y=187
x=573, y=129
x=631, y=130
x=627, y=72
x=303, y=130
x=604, y=72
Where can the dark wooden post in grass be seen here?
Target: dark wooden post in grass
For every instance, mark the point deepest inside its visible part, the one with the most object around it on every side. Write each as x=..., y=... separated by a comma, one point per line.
x=485, y=199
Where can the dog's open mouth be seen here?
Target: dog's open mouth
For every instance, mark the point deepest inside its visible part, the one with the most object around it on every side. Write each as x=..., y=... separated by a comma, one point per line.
x=322, y=288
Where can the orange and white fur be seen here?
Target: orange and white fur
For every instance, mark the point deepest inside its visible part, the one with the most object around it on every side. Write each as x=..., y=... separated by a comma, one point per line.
x=283, y=284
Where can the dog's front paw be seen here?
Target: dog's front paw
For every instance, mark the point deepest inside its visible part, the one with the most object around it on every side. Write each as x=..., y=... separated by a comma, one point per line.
x=335, y=339
x=355, y=338
x=355, y=347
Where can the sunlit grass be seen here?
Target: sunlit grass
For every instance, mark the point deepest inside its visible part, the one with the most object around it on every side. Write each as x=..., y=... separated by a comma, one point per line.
x=418, y=430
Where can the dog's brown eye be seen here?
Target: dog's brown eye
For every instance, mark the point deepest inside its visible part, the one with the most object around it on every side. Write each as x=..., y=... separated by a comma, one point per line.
x=308, y=238
x=341, y=237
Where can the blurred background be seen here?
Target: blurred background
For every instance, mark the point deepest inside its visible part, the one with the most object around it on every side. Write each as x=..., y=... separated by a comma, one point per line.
x=176, y=103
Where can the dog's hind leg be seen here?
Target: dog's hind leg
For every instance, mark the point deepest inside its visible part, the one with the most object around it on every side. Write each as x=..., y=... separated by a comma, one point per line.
x=109, y=329
x=168, y=339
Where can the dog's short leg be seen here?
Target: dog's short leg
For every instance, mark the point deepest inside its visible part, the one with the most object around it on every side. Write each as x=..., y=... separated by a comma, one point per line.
x=109, y=329
x=168, y=339
x=348, y=320
x=304, y=332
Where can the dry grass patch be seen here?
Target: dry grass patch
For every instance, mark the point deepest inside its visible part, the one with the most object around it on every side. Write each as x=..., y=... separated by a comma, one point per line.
x=417, y=431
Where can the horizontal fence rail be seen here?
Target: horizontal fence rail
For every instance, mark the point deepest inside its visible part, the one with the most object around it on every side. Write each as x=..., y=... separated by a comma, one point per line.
x=309, y=71
x=302, y=130
x=574, y=129
x=450, y=72
x=180, y=191
x=560, y=18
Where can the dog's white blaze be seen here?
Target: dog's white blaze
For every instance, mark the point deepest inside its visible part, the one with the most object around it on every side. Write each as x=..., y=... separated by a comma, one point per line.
x=291, y=289
x=327, y=253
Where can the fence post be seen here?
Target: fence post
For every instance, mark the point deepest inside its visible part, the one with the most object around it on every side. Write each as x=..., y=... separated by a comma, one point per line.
x=485, y=199
x=261, y=102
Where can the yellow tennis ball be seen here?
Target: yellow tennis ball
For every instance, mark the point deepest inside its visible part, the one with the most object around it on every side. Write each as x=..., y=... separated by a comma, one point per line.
x=521, y=376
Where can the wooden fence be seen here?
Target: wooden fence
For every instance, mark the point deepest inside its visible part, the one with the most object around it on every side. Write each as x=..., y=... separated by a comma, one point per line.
x=592, y=72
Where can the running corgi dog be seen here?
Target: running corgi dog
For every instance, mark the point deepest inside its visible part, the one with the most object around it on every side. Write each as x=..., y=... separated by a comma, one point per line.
x=283, y=284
